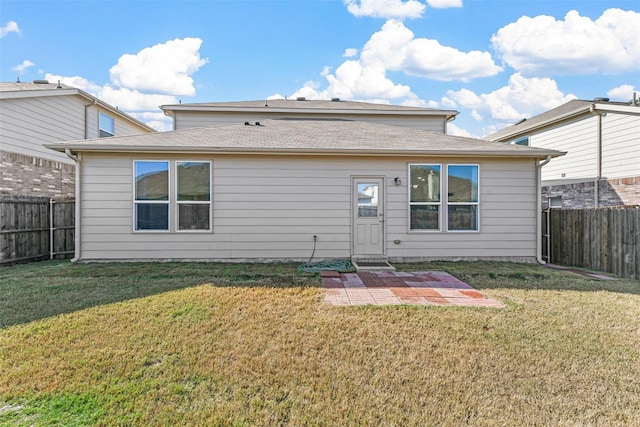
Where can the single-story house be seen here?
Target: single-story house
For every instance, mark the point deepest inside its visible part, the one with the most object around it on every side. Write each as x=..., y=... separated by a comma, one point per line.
x=287, y=189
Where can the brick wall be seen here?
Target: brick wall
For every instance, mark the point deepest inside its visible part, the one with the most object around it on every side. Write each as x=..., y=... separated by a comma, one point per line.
x=612, y=192
x=33, y=176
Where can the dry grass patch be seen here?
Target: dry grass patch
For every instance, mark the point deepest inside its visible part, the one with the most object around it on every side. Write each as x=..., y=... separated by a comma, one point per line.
x=262, y=349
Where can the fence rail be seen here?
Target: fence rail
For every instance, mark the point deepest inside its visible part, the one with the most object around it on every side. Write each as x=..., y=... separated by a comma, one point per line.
x=35, y=228
x=603, y=239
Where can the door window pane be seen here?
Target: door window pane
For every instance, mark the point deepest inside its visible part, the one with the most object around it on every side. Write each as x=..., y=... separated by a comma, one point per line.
x=367, y=200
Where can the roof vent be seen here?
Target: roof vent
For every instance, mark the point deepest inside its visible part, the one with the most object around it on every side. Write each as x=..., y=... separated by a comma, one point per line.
x=301, y=98
x=601, y=99
x=41, y=82
x=335, y=99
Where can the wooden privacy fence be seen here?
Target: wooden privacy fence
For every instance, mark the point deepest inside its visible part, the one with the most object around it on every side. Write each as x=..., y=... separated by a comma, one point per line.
x=35, y=228
x=603, y=239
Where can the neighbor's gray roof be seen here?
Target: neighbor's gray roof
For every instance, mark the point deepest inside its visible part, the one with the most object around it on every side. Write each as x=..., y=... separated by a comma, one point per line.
x=567, y=110
x=308, y=106
x=20, y=86
x=18, y=90
x=336, y=137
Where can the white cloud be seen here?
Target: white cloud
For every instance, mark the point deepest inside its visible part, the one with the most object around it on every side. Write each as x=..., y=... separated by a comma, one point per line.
x=622, y=93
x=21, y=68
x=575, y=45
x=164, y=68
x=521, y=98
x=443, y=4
x=396, y=47
x=168, y=69
x=75, y=81
x=455, y=130
x=350, y=53
x=386, y=8
x=11, y=27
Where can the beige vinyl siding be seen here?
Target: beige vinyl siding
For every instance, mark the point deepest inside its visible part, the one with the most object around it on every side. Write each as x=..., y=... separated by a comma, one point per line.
x=621, y=146
x=121, y=127
x=187, y=119
x=28, y=123
x=267, y=208
x=578, y=138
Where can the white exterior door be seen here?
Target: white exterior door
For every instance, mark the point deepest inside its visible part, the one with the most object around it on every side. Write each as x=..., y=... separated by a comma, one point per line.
x=368, y=216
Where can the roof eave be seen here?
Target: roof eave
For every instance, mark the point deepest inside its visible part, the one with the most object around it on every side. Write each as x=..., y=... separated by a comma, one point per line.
x=302, y=151
x=171, y=109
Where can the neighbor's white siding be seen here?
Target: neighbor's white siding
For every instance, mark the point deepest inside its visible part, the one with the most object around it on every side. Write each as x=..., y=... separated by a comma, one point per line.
x=28, y=123
x=187, y=119
x=621, y=146
x=579, y=139
x=267, y=208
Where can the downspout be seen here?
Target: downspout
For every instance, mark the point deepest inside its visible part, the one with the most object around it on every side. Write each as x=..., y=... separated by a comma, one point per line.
x=76, y=237
x=539, y=166
x=596, y=191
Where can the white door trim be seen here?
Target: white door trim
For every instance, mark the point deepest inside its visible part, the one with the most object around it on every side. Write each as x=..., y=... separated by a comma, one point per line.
x=368, y=216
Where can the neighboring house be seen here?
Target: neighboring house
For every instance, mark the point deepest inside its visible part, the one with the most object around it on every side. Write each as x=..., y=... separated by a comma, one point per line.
x=287, y=189
x=34, y=114
x=197, y=115
x=602, y=141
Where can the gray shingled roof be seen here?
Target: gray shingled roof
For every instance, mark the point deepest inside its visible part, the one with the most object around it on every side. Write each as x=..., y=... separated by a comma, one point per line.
x=566, y=110
x=338, y=137
x=20, y=86
x=311, y=105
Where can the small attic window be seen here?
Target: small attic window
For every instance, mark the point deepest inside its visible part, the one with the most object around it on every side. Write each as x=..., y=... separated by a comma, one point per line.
x=106, y=125
x=521, y=141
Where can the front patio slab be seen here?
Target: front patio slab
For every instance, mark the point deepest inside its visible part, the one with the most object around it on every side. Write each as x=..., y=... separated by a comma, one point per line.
x=390, y=287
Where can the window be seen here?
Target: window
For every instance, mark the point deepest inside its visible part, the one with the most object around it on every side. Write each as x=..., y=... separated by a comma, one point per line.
x=462, y=197
x=193, y=184
x=105, y=125
x=189, y=198
x=367, y=200
x=524, y=140
x=424, y=197
x=555, y=201
x=151, y=198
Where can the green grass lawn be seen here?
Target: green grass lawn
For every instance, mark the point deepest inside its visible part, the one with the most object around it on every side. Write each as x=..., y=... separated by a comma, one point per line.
x=167, y=344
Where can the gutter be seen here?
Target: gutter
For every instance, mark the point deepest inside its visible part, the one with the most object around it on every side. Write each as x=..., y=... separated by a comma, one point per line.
x=76, y=237
x=539, y=166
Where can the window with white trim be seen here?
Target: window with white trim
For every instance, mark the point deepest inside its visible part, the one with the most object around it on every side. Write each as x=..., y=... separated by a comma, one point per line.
x=193, y=195
x=106, y=125
x=425, y=188
x=523, y=140
x=462, y=197
x=157, y=197
x=151, y=195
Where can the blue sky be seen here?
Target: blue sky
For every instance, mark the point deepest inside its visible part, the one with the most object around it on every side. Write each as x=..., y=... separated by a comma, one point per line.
x=495, y=61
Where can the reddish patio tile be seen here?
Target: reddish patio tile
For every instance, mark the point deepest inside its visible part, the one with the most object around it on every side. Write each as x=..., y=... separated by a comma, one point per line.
x=382, y=288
